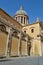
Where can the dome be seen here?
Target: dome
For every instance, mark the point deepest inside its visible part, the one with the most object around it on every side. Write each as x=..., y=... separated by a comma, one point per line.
x=21, y=11
x=38, y=20
x=21, y=16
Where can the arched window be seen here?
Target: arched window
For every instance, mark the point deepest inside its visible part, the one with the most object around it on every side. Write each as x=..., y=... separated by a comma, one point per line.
x=2, y=27
x=32, y=30
x=15, y=33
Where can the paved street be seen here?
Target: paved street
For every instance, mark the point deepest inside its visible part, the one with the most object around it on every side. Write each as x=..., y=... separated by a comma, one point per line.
x=22, y=61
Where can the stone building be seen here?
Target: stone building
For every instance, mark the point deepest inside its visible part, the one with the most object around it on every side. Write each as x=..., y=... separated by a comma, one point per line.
x=18, y=37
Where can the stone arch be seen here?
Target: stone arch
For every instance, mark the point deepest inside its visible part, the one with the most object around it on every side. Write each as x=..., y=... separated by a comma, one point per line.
x=2, y=27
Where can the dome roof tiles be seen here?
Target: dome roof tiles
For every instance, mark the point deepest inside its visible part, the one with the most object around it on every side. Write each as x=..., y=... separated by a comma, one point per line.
x=21, y=11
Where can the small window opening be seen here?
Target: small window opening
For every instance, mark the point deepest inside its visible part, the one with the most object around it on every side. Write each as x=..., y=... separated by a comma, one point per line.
x=25, y=31
x=32, y=30
x=24, y=20
x=16, y=18
x=21, y=19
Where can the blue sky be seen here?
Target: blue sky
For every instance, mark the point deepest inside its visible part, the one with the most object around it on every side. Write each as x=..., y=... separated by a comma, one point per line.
x=34, y=8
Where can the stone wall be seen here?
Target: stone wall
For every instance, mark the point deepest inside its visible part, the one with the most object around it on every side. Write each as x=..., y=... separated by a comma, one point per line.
x=13, y=42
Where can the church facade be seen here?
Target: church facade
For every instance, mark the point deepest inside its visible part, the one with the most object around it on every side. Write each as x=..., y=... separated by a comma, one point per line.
x=18, y=37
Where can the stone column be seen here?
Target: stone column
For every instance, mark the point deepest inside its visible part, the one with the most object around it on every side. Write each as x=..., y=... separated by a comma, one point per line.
x=26, y=46
x=40, y=45
x=23, y=20
x=20, y=19
x=32, y=48
x=19, y=43
x=36, y=51
x=8, y=43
